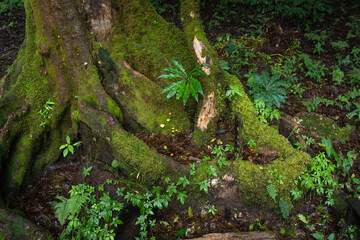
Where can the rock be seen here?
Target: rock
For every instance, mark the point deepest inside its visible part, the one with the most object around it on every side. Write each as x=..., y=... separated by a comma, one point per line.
x=353, y=212
x=239, y=235
x=14, y=226
x=321, y=126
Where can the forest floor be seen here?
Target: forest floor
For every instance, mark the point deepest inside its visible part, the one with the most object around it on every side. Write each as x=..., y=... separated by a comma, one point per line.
x=256, y=43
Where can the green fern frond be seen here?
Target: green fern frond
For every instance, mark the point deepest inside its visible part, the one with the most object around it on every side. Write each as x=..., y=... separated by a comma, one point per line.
x=70, y=206
x=284, y=209
x=272, y=191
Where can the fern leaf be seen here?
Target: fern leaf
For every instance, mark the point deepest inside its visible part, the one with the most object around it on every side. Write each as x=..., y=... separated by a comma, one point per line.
x=284, y=209
x=61, y=209
x=272, y=191
x=70, y=206
x=76, y=202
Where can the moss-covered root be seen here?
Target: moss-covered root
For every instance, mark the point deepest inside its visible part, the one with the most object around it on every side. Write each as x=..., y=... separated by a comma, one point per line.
x=13, y=226
x=130, y=153
x=252, y=178
x=139, y=98
x=213, y=91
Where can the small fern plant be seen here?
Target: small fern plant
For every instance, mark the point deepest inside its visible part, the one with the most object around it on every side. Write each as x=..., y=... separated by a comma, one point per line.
x=268, y=89
x=88, y=217
x=279, y=179
x=272, y=191
x=187, y=84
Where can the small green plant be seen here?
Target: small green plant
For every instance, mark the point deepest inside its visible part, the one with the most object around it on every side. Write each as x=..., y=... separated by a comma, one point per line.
x=211, y=171
x=337, y=75
x=204, y=185
x=315, y=69
x=213, y=210
x=234, y=90
x=351, y=232
x=220, y=158
x=268, y=89
x=89, y=217
x=68, y=147
x=318, y=48
x=86, y=171
x=354, y=76
x=188, y=84
x=265, y=113
x=339, y=45
x=251, y=143
x=8, y=5
x=319, y=179
x=344, y=164
x=356, y=56
x=312, y=105
x=271, y=189
x=319, y=39
x=353, y=186
x=46, y=112
x=343, y=61
x=257, y=223
x=354, y=113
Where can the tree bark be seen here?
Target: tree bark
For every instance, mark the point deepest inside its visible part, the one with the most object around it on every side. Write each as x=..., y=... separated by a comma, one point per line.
x=98, y=61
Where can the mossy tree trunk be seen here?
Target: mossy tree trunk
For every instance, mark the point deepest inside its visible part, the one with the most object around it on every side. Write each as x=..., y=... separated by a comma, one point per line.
x=98, y=61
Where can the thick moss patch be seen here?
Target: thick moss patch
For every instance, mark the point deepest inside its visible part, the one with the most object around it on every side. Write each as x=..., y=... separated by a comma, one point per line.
x=325, y=127
x=253, y=178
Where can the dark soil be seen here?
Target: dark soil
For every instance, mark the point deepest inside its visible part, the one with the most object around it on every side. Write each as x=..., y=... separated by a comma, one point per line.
x=58, y=180
x=12, y=33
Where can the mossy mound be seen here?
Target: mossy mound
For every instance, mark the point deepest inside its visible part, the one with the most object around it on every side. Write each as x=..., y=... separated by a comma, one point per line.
x=325, y=127
x=252, y=178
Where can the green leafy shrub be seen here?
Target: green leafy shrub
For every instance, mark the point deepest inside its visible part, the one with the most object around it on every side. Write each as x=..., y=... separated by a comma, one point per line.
x=265, y=113
x=356, y=112
x=339, y=45
x=8, y=5
x=354, y=76
x=188, y=84
x=89, y=217
x=337, y=75
x=315, y=69
x=267, y=89
x=319, y=179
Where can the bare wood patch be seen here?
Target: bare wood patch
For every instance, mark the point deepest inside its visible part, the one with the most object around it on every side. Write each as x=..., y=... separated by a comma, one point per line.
x=208, y=112
x=100, y=17
x=199, y=47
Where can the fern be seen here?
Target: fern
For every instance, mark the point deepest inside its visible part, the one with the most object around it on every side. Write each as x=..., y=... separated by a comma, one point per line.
x=272, y=191
x=284, y=209
x=70, y=206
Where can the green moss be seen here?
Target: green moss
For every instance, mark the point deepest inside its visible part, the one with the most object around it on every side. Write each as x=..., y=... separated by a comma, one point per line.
x=51, y=153
x=144, y=39
x=325, y=127
x=140, y=99
x=136, y=154
x=19, y=163
x=114, y=110
x=253, y=178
